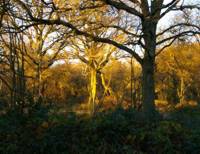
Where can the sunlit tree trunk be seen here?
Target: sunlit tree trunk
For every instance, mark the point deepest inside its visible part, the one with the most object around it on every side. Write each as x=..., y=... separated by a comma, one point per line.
x=181, y=91
x=93, y=83
x=107, y=90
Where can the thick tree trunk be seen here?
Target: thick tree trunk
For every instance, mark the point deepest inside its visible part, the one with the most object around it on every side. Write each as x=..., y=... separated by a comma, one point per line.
x=148, y=88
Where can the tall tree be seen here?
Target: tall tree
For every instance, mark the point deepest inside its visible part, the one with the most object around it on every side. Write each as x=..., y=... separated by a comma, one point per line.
x=95, y=56
x=42, y=50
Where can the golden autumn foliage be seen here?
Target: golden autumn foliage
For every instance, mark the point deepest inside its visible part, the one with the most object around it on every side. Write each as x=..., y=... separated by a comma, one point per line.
x=178, y=73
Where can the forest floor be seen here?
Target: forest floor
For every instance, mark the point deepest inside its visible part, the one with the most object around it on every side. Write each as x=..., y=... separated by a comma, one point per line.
x=119, y=131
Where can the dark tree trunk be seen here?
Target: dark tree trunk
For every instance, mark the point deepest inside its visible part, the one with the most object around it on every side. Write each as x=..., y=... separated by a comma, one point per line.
x=148, y=88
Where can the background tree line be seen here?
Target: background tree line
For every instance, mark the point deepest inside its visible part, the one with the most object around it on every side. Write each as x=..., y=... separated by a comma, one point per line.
x=67, y=82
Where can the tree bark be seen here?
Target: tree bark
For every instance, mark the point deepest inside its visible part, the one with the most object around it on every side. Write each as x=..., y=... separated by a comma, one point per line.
x=181, y=91
x=93, y=82
x=148, y=88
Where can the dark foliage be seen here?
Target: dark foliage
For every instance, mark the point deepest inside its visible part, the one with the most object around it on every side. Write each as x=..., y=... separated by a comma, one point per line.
x=119, y=131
